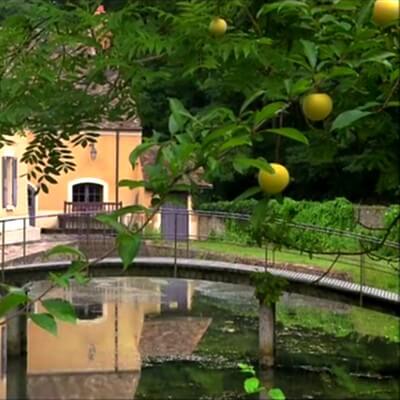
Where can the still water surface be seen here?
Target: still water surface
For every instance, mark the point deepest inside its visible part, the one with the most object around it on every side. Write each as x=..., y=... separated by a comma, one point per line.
x=147, y=338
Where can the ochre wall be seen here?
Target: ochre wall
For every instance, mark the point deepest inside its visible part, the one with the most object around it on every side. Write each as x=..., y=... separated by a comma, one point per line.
x=102, y=168
x=69, y=350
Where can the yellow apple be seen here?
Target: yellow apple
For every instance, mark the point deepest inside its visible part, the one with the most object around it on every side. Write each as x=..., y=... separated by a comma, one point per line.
x=274, y=183
x=218, y=27
x=386, y=11
x=317, y=106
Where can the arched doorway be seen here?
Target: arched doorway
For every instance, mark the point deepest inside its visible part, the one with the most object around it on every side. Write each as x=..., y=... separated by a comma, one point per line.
x=87, y=196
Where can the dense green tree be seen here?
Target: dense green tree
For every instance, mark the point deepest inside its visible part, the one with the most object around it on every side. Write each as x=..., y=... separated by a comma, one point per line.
x=241, y=97
x=287, y=49
x=163, y=49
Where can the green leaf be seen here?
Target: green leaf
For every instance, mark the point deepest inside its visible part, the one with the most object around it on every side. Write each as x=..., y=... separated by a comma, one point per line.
x=276, y=394
x=181, y=187
x=60, y=309
x=393, y=104
x=111, y=221
x=311, y=52
x=178, y=109
x=252, y=385
x=130, y=210
x=64, y=249
x=61, y=280
x=235, y=142
x=300, y=87
x=45, y=321
x=279, y=5
x=12, y=301
x=131, y=184
x=268, y=112
x=259, y=213
x=218, y=134
x=138, y=151
x=242, y=163
x=365, y=12
x=250, y=100
x=338, y=72
x=379, y=58
x=128, y=247
x=81, y=278
x=246, y=368
x=248, y=193
x=347, y=118
x=173, y=125
x=291, y=133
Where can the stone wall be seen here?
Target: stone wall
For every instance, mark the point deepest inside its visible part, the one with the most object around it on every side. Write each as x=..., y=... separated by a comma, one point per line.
x=208, y=225
x=370, y=216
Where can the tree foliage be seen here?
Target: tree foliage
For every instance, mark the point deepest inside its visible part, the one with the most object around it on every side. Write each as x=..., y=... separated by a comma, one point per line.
x=226, y=105
x=274, y=52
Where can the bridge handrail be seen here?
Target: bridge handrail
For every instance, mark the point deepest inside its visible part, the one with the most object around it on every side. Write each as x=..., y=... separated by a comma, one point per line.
x=310, y=227
x=233, y=216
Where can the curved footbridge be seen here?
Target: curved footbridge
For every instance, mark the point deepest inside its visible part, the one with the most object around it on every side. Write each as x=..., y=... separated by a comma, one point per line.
x=220, y=271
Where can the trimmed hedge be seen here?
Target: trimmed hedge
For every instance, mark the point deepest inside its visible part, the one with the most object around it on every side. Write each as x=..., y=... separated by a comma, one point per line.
x=338, y=214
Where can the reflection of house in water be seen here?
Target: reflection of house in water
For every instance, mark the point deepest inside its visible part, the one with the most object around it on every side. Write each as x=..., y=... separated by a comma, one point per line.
x=3, y=362
x=172, y=334
x=100, y=356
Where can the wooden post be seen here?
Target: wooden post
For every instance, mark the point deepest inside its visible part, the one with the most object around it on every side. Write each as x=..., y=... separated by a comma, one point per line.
x=175, y=243
x=266, y=377
x=362, y=277
x=266, y=335
x=16, y=336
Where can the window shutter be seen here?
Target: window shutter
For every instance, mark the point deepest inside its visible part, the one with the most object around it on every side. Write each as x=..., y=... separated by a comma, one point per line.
x=4, y=179
x=14, y=182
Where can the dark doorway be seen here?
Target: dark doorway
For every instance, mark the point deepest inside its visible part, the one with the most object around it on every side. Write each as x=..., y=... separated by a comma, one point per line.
x=87, y=197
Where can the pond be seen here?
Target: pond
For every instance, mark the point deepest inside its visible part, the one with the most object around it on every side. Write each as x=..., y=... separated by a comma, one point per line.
x=148, y=338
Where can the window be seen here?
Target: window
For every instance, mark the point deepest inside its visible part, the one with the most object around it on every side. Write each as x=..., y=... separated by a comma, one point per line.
x=87, y=193
x=9, y=166
x=88, y=311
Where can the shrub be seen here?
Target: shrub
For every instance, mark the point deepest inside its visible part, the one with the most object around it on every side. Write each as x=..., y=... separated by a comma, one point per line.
x=337, y=214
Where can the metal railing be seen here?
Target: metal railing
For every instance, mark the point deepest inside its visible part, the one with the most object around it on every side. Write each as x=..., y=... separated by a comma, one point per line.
x=71, y=207
x=194, y=234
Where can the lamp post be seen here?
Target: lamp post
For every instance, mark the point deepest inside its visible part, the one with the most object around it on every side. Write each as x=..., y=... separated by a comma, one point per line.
x=116, y=167
x=93, y=151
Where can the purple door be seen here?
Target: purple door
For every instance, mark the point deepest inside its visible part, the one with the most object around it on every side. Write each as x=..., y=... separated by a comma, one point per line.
x=175, y=219
x=175, y=296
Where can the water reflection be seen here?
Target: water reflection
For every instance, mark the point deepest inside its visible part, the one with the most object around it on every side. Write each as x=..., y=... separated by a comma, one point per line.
x=101, y=356
x=148, y=338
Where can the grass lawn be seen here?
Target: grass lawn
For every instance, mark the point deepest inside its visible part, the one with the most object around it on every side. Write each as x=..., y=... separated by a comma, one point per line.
x=380, y=279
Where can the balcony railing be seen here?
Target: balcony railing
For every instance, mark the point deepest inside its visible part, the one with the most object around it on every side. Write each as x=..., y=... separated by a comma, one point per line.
x=85, y=207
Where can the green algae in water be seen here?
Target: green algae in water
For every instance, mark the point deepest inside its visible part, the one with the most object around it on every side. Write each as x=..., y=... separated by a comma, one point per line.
x=319, y=355
x=356, y=320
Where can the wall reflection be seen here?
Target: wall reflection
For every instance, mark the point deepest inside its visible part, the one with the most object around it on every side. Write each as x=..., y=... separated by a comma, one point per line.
x=120, y=323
